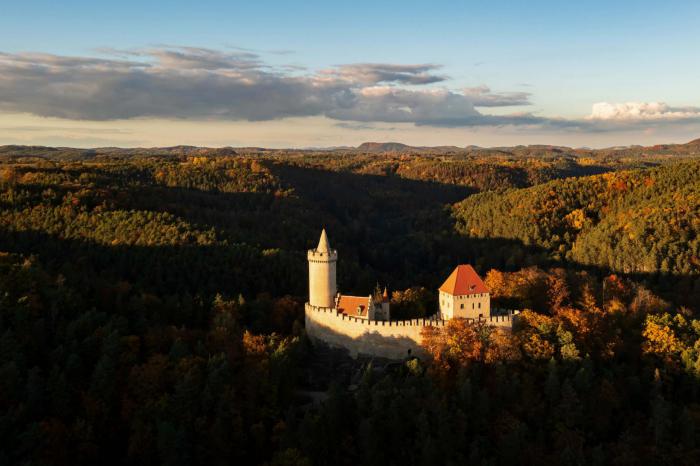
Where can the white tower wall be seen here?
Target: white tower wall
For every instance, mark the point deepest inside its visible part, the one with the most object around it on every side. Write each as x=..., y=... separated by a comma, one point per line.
x=322, y=285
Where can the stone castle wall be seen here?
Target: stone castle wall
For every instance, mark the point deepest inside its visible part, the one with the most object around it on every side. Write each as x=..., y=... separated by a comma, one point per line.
x=390, y=339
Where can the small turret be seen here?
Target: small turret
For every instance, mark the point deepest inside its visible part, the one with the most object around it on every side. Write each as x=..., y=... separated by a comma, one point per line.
x=380, y=300
x=386, y=304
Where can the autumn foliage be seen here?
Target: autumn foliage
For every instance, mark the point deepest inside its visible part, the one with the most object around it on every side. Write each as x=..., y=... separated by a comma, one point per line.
x=151, y=307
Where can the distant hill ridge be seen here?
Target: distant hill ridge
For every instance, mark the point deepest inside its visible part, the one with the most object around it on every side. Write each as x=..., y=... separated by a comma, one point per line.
x=382, y=146
x=400, y=147
x=691, y=148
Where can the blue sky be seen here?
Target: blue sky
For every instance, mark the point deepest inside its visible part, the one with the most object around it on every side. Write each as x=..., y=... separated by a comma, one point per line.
x=567, y=56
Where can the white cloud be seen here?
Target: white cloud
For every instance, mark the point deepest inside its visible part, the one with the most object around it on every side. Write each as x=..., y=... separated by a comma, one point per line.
x=198, y=83
x=641, y=111
x=190, y=83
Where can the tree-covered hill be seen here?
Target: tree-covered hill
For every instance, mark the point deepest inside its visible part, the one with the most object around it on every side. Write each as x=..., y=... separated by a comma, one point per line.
x=643, y=221
x=390, y=215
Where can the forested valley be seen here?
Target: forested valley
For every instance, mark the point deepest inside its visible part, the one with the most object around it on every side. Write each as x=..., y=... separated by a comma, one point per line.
x=151, y=306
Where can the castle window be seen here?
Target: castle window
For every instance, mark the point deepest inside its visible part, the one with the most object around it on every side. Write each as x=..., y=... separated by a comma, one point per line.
x=461, y=306
x=479, y=305
x=472, y=305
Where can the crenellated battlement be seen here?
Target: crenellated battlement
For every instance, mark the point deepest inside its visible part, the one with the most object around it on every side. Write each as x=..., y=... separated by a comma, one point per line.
x=394, y=339
x=314, y=255
x=422, y=322
x=505, y=316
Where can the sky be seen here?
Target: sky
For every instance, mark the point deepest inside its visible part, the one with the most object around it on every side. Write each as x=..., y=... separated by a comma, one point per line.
x=320, y=74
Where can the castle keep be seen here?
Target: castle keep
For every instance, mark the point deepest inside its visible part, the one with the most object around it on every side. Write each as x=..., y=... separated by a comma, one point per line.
x=363, y=325
x=464, y=295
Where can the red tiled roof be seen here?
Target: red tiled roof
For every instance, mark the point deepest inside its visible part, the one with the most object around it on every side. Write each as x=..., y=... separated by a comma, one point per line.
x=464, y=280
x=349, y=305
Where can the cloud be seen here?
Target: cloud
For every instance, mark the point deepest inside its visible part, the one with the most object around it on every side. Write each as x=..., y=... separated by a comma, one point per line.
x=179, y=83
x=193, y=58
x=43, y=129
x=641, y=111
x=376, y=73
x=395, y=105
x=360, y=126
x=482, y=96
x=193, y=83
x=200, y=83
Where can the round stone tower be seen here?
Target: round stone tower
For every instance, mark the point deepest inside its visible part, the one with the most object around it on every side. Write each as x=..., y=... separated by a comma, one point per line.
x=322, y=260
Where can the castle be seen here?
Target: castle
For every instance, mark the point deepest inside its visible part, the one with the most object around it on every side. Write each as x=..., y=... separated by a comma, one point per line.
x=363, y=325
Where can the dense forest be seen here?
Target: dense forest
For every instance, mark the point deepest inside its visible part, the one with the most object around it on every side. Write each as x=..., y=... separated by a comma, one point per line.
x=151, y=306
x=642, y=222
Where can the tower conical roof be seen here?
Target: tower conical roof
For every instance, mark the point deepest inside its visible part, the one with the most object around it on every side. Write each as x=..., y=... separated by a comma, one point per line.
x=323, y=244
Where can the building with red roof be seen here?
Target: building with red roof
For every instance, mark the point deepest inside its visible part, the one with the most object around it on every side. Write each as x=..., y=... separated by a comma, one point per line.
x=465, y=295
x=355, y=306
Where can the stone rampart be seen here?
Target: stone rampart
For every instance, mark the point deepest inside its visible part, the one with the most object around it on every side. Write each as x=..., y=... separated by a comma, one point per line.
x=393, y=339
